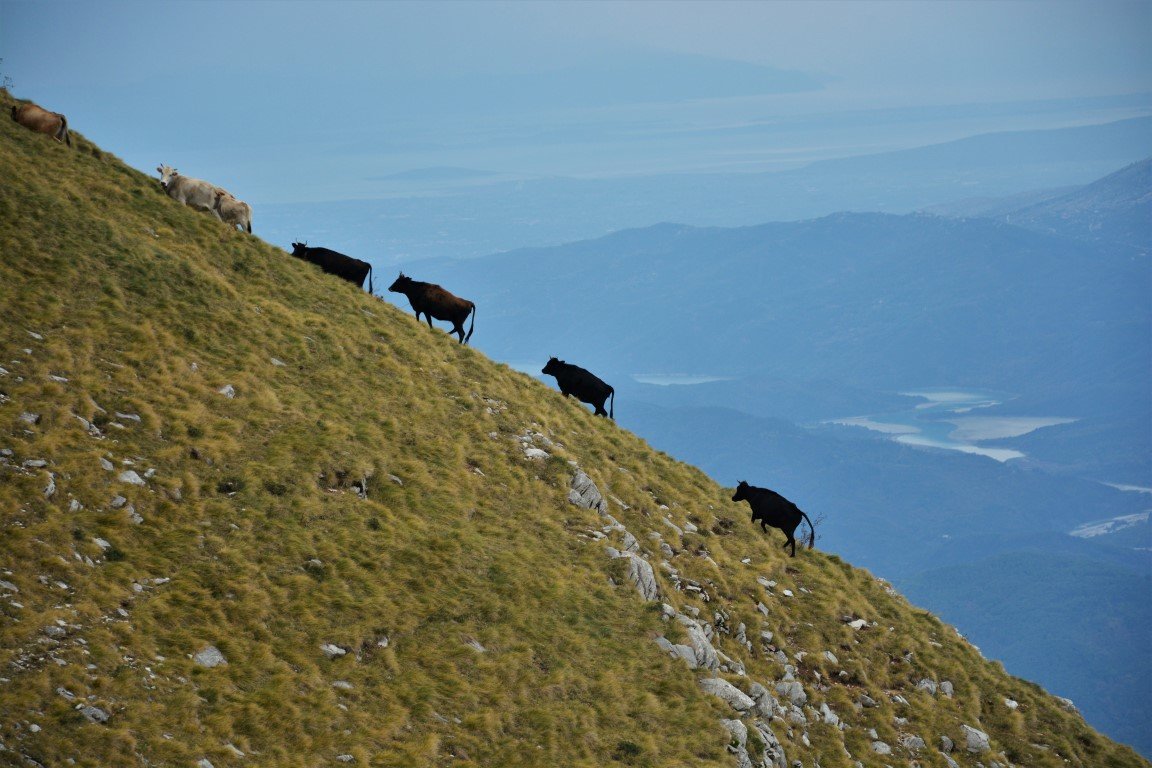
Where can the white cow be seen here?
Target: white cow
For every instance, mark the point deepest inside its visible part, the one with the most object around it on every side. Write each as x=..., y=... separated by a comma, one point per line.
x=193, y=192
x=234, y=212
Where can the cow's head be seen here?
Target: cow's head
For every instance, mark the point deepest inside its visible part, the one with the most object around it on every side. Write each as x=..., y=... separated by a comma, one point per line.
x=741, y=491
x=552, y=367
x=166, y=175
x=298, y=249
x=402, y=284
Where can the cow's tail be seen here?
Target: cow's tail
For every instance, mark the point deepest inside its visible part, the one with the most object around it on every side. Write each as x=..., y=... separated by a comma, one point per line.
x=472, y=326
x=370, y=291
x=612, y=404
x=811, y=531
x=63, y=132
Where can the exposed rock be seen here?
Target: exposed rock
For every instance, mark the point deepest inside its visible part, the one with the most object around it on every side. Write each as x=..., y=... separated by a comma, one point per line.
x=793, y=692
x=975, y=740
x=729, y=693
x=703, y=652
x=640, y=573
x=210, y=657
x=30, y=418
x=536, y=453
x=228, y=391
x=912, y=743
x=928, y=686
x=946, y=688
x=130, y=477
x=773, y=750
x=584, y=493
x=828, y=715
x=739, y=745
x=881, y=748
x=117, y=502
x=9, y=586
x=94, y=714
x=50, y=489
x=332, y=651
x=678, y=651
x=106, y=465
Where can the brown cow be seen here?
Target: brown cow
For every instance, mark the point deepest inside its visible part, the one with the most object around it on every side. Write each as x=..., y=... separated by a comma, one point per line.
x=42, y=121
x=433, y=301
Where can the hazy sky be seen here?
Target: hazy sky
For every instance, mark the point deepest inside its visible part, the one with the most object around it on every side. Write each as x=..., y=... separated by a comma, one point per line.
x=348, y=92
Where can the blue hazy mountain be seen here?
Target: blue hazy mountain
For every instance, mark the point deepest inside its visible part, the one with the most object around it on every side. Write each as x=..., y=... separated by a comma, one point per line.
x=464, y=218
x=869, y=300
x=1116, y=208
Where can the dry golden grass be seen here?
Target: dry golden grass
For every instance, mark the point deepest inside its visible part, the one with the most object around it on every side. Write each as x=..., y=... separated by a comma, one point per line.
x=255, y=540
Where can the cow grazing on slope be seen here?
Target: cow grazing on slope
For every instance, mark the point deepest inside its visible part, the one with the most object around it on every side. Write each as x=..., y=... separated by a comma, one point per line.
x=235, y=213
x=335, y=263
x=433, y=301
x=38, y=119
x=584, y=385
x=770, y=508
x=195, y=193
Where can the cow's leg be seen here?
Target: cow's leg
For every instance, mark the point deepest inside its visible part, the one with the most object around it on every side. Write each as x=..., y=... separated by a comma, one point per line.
x=458, y=329
x=600, y=410
x=428, y=317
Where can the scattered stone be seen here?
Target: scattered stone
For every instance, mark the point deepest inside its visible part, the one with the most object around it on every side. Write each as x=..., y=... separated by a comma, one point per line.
x=117, y=502
x=66, y=693
x=58, y=379
x=1067, y=705
x=204, y=762
x=210, y=657
x=9, y=586
x=858, y=624
x=733, y=696
x=831, y=657
x=912, y=743
x=106, y=465
x=35, y=464
x=866, y=701
x=128, y=416
x=946, y=688
x=928, y=686
x=881, y=748
x=228, y=391
x=130, y=477
x=828, y=715
x=536, y=453
x=94, y=714
x=343, y=685
x=475, y=645
x=395, y=479
x=1011, y=704
x=345, y=758
x=975, y=740
x=278, y=363
x=50, y=489
x=333, y=651
x=30, y=418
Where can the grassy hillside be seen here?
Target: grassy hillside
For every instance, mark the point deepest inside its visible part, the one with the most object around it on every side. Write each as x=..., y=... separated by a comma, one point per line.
x=360, y=533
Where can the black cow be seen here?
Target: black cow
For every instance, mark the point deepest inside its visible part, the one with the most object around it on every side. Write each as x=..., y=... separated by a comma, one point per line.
x=335, y=263
x=770, y=508
x=433, y=301
x=587, y=388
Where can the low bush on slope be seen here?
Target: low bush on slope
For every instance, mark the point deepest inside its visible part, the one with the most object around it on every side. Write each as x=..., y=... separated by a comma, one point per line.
x=250, y=515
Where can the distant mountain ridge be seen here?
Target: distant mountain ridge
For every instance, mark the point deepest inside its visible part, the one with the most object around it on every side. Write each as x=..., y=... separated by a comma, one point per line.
x=1115, y=209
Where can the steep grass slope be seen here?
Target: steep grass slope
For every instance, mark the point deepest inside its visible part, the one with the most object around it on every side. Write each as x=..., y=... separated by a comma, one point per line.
x=210, y=445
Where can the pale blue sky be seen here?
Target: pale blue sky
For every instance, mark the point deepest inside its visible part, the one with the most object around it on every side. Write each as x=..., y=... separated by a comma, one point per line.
x=336, y=94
